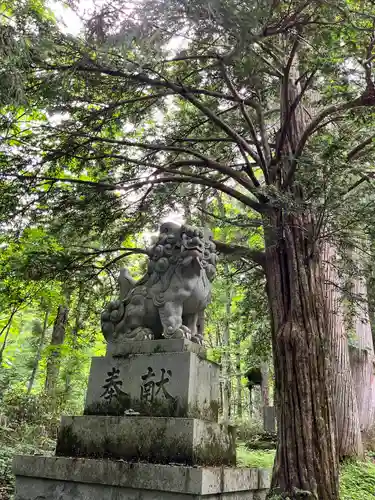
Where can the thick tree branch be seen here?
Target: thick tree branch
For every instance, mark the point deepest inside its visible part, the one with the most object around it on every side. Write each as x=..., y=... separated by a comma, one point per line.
x=21, y=177
x=204, y=160
x=128, y=250
x=258, y=207
x=152, y=82
x=289, y=113
x=313, y=125
x=141, y=145
x=171, y=166
x=234, y=222
x=203, y=139
x=291, y=57
x=181, y=178
x=355, y=151
x=260, y=157
x=236, y=252
x=224, y=126
x=10, y=319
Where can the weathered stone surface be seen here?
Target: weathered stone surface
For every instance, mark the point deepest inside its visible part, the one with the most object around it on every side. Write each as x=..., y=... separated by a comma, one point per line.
x=159, y=480
x=152, y=439
x=46, y=489
x=178, y=384
x=240, y=479
x=264, y=478
x=260, y=495
x=121, y=347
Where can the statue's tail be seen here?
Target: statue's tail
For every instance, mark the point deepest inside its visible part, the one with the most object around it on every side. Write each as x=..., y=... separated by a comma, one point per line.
x=126, y=282
x=112, y=315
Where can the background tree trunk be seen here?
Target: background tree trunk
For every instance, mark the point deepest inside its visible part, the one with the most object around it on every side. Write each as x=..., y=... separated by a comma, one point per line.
x=306, y=457
x=349, y=438
x=225, y=365
x=6, y=329
x=38, y=353
x=57, y=340
x=265, y=386
x=362, y=360
x=225, y=360
x=5, y=340
x=239, y=381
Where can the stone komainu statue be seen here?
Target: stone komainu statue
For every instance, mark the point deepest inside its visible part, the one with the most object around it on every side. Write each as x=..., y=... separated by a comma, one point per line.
x=169, y=301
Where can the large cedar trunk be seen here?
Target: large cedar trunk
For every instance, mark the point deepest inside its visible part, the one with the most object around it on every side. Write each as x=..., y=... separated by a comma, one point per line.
x=362, y=360
x=306, y=459
x=349, y=438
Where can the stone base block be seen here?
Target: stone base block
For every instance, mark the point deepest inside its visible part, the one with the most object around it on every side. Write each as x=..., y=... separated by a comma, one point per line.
x=121, y=347
x=56, y=478
x=174, y=384
x=151, y=439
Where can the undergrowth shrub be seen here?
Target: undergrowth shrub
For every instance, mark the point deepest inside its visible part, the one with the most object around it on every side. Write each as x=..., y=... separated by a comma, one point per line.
x=28, y=425
x=251, y=433
x=357, y=481
x=248, y=429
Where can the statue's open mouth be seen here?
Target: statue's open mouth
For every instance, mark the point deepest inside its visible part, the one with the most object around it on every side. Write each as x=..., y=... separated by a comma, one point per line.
x=194, y=251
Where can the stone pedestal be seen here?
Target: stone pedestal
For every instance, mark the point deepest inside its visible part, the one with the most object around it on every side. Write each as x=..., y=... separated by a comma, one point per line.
x=151, y=439
x=149, y=432
x=158, y=382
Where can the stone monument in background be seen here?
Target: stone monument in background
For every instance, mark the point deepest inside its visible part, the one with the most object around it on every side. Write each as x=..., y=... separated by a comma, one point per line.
x=150, y=427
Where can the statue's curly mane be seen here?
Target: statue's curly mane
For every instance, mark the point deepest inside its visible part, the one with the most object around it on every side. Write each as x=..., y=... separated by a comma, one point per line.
x=167, y=255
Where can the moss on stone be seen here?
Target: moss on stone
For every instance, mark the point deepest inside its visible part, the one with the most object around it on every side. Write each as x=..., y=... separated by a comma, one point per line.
x=158, y=348
x=153, y=447
x=206, y=411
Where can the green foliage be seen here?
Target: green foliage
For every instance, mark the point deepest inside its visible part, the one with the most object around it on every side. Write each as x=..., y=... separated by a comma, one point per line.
x=26, y=408
x=28, y=425
x=103, y=135
x=357, y=481
x=247, y=429
x=254, y=458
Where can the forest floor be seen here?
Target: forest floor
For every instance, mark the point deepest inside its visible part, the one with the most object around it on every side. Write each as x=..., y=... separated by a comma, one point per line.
x=357, y=479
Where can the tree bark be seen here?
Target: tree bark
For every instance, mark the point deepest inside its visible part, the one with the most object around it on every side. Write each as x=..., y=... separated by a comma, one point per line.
x=9, y=324
x=38, y=353
x=362, y=361
x=225, y=366
x=306, y=458
x=349, y=438
x=239, y=381
x=265, y=386
x=54, y=359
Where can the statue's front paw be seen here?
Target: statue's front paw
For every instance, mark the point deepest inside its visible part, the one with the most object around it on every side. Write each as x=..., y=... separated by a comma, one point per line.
x=186, y=332
x=141, y=333
x=198, y=339
x=182, y=332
